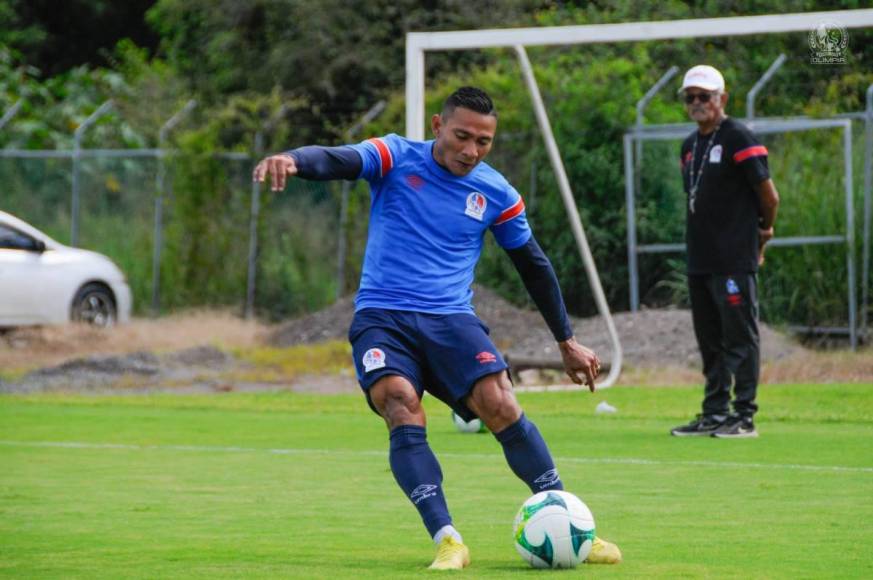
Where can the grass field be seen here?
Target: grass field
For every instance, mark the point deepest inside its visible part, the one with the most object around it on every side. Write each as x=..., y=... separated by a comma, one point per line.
x=283, y=485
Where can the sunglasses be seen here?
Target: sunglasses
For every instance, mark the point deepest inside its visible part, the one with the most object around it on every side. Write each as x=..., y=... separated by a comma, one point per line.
x=702, y=97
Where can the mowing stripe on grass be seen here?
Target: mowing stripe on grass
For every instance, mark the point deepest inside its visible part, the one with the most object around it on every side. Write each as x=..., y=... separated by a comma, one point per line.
x=311, y=451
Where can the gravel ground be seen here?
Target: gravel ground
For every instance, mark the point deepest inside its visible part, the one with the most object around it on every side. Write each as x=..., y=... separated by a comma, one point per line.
x=649, y=338
x=197, y=369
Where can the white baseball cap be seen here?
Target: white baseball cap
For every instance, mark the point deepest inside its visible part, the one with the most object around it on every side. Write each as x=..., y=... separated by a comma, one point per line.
x=704, y=77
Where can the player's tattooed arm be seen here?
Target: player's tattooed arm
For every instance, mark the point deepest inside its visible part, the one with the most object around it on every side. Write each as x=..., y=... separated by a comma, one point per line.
x=310, y=162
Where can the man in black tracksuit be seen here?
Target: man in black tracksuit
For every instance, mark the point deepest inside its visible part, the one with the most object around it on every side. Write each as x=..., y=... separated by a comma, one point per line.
x=730, y=213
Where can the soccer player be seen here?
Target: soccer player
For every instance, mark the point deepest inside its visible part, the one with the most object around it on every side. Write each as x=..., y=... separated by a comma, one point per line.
x=414, y=328
x=732, y=205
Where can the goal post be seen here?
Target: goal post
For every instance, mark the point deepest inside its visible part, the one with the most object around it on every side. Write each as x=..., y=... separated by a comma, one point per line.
x=418, y=43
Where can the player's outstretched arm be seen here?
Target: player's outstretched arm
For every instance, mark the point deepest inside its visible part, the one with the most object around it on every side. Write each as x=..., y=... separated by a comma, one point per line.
x=279, y=167
x=311, y=162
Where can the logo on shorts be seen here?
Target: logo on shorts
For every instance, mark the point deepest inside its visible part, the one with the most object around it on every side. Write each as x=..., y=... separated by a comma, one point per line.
x=476, y=204
x=548, y=479
x=734, y=297
x=486, y=357
x=373, y=359
x=422, y=492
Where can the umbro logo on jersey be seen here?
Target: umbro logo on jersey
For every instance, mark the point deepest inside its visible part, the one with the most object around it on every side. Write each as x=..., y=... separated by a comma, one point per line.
x=486, y=357
x=414, y=181
x=476, y=205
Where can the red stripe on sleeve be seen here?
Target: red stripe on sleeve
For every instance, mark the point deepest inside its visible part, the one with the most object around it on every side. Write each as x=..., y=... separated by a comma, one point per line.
x=753, y=151
x=384, y=155
x=684, y=160
x=510, y=213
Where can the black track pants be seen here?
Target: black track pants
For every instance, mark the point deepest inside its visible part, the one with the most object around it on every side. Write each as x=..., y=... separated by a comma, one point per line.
x=725, y=314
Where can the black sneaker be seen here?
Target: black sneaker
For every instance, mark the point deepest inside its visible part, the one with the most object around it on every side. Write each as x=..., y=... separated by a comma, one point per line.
x=736, y=428
x=702, y=426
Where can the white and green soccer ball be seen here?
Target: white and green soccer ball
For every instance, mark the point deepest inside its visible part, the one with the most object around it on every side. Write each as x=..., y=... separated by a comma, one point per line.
x=554, y=529
x=474, y=426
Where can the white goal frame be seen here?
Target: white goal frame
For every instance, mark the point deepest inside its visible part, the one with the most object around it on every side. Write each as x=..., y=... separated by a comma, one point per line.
x=418, y=43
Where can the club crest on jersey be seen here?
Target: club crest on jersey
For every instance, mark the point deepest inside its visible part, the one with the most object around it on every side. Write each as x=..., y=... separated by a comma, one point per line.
x=476, y=205
x=715, y=154
x=373, y=359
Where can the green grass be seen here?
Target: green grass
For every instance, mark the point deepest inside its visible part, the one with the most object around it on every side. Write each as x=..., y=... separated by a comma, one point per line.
x=282, y=485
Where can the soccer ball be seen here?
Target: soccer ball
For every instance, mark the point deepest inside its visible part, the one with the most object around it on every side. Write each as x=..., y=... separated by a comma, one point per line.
x=554, y=529
x=474, y=426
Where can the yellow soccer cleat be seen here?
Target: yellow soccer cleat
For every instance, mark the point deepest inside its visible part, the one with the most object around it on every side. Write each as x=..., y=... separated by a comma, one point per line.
x=451, y=555
x=603, y=552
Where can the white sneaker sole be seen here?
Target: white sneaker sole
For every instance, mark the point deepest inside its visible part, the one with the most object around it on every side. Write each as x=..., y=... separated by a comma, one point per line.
x=748, y=435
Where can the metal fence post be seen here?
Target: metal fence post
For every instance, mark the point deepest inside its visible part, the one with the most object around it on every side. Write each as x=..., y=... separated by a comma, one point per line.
x=77, y=156
x=630, y=203
x=750, y=97
x=642, y=104
x=637, y=185
x=9, y=113
x=850, y=232
x=868, y=191
x=159, y=204
x=374, y=112
x=255, y=212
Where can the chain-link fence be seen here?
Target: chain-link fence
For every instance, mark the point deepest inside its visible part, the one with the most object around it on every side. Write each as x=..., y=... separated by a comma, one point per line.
x=203, y=228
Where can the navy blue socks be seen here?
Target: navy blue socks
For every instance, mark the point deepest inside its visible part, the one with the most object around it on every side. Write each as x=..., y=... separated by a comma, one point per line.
x=528, y=456
x=418, y=473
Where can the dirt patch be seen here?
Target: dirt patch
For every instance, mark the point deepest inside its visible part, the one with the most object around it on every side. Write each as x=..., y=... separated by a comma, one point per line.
x=34, y=347
x=200, y=366
x=191, y=353
x=648, y=337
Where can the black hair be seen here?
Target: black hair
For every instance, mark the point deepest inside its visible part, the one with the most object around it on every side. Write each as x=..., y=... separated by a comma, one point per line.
x=469, y=98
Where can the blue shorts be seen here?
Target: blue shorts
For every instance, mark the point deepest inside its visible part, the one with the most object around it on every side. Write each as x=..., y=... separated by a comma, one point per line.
x=443, y=354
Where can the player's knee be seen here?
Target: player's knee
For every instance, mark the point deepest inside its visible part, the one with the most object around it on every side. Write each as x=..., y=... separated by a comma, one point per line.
x=494, y=402
x=397, y=402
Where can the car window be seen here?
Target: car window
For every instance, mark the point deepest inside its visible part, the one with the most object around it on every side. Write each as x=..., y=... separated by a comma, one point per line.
x=11, y=239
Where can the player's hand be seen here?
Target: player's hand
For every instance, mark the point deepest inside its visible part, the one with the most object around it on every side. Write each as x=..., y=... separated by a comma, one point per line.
x=279, y=167
x=764, y=236
x=580, y=363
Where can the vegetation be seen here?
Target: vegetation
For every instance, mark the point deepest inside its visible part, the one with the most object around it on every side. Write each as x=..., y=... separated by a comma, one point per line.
x=326, y=63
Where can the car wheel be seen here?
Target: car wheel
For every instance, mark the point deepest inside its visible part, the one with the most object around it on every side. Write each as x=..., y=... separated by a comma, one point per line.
x=94, y=305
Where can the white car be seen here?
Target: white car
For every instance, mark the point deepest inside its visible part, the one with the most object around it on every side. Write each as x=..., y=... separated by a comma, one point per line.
x=45, y=282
